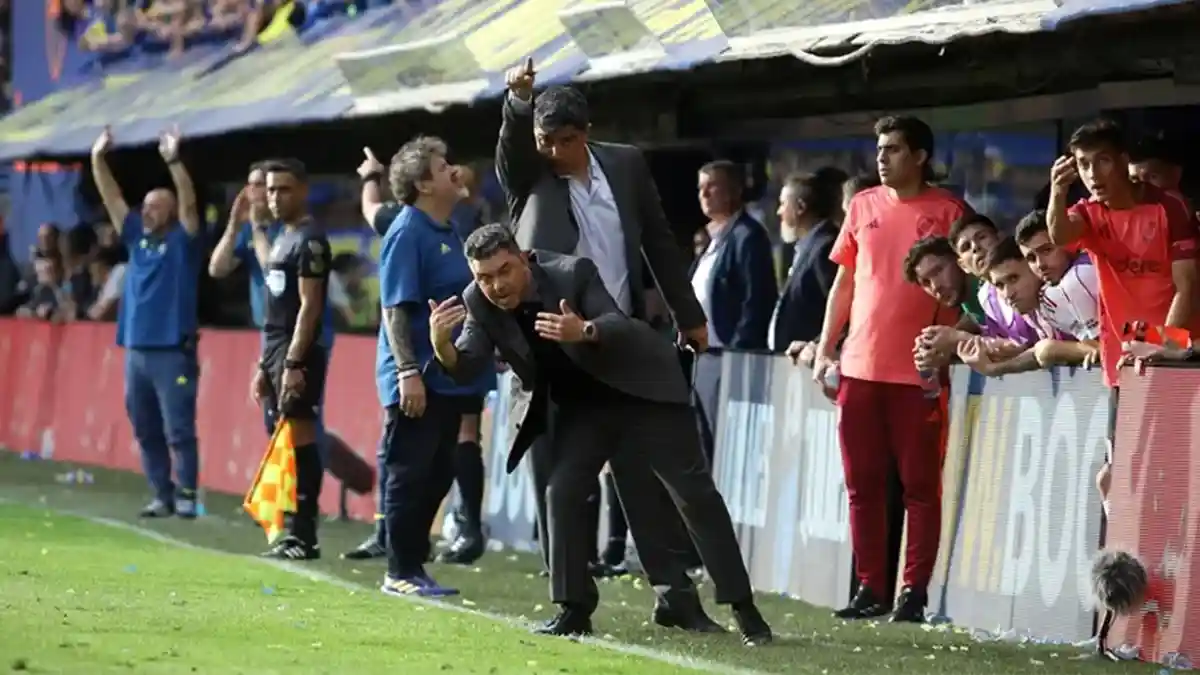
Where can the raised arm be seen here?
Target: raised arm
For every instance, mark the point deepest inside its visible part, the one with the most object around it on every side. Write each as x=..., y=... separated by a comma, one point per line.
x=1066, y=228
x=517, y=161
x=371, y=173
x=185, y=191
x=224, y=256
x=106, y=184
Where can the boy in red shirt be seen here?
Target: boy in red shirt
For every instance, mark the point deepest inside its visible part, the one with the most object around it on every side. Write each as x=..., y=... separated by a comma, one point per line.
x=1141, y=240
x=889, y=414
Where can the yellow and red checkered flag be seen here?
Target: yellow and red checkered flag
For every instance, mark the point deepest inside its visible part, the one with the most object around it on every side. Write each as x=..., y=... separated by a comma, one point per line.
x=273, y=492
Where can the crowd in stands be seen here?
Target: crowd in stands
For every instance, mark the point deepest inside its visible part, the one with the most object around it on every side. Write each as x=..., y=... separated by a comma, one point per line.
x=114, y=28
x=68, y=275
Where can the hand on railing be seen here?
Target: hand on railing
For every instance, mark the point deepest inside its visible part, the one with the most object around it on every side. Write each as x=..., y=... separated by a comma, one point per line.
x=1138, y=355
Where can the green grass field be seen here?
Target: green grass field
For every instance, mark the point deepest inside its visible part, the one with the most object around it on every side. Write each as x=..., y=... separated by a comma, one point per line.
x=81, y=597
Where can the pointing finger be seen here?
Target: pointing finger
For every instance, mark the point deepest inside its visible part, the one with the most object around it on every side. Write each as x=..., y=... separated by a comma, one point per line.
x=529, y=65
x=370, y=155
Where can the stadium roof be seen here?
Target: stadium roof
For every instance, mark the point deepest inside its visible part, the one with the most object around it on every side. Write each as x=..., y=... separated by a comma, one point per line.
x=429, y=54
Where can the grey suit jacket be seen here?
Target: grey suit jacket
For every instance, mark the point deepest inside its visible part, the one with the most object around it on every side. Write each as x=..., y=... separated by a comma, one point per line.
x=539, y=203
x=628, y=356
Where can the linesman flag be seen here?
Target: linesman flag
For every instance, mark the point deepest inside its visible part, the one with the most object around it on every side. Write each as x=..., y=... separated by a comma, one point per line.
x=273, y=492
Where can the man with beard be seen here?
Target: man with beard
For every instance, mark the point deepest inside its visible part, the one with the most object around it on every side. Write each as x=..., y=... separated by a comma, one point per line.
x=291, y=376
x=807, y=206
x=570, y=195
x=157, y=323
x=621, y=398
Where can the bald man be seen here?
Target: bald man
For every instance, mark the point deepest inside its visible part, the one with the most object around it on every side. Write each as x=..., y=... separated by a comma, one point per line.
x=157, y=325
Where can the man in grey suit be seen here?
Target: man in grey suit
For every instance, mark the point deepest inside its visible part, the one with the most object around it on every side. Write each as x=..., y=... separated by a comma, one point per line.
x=597, y=200
x=622, y=399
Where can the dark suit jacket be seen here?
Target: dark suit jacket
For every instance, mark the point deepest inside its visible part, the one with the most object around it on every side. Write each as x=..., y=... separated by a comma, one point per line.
x=539, y=203
x=629, y=355
x=742, y=288
x=801, y=308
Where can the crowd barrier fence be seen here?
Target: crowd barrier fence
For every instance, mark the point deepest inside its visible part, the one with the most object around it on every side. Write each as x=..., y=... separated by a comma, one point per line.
x=1021, y=520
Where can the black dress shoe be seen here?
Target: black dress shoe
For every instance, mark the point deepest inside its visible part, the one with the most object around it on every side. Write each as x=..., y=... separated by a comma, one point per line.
x=753, y=627
x=368, y=550
x=600, y=570
x=569, y=621
x=464, y=551
x=687, y=614
x=865, y=605
x=911, y=608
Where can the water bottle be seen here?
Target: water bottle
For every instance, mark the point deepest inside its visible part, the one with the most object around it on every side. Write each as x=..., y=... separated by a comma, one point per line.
x=930, y=383
x=833, y=376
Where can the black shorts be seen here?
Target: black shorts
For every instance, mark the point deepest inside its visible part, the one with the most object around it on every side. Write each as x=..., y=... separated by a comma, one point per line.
x=306, y=406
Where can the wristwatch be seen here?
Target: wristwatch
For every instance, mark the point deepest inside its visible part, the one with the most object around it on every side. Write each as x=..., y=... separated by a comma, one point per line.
x=589, y=331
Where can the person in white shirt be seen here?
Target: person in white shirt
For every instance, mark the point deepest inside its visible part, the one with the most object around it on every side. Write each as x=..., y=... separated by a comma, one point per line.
x=1071, y=296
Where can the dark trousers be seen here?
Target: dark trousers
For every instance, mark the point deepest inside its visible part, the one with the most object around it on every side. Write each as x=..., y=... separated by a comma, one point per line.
x=706, y=399
x=160, y=398
x=660, y=474
x=613, y=551
x=419, y=456
x=907, y=433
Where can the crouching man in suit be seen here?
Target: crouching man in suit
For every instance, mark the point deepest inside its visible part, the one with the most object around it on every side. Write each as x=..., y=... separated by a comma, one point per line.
x=622, y=397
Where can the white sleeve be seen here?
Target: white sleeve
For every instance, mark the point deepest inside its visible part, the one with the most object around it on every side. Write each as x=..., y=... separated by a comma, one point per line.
x=337, y=293
x=114, y=284
x=1084, y=296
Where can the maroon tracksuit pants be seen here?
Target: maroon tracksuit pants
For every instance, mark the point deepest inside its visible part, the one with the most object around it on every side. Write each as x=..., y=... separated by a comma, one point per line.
x=883, y=425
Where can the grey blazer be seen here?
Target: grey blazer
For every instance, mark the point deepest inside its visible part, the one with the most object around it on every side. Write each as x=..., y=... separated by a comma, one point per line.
x=629, y=355
x=539, y=203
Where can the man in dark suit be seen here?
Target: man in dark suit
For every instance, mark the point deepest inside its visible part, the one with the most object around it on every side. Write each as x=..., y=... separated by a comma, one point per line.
x=622, y=400
x=807, y=208
x=569, y=195
x=734, y=278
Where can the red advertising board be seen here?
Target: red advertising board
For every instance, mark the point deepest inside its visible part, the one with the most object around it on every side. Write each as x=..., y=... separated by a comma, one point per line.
x=63, y=395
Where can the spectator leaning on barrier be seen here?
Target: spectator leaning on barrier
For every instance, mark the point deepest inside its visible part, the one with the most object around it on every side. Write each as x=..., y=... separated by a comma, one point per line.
x=1141, y=240
x=888, y=411
x=108, y=275
x=45, y=296
x=1071, y=296
x=157, y=323
x=807, y=208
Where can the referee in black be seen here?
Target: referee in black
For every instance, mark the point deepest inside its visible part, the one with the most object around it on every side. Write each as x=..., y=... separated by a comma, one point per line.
x=291, y=374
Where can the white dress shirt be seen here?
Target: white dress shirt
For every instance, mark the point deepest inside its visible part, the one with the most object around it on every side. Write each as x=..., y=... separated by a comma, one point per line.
x=601, y=237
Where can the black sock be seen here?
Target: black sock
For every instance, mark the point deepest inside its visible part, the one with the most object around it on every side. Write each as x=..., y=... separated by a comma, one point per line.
x=468, y=465
x=309, y=475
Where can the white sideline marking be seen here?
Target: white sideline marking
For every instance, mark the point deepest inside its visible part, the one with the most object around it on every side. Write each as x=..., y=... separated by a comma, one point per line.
x=316, y=575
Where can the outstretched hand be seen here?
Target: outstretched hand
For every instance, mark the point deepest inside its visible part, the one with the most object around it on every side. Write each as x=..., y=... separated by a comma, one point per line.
x=168, y=144
x=444, y=316
x=566, y=326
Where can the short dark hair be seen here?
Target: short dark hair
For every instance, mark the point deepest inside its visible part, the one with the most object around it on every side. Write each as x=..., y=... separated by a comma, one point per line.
x=1031, y=224
x=728, y=169
x=489, y=240
x=1006, y=250
x=925, y=247
x=821, y=197
x=289, y=165
x=1100, y=133
x=917, y=136
x=959, y=226
x=560, y=107
x=412, y=164
x=863, y=181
